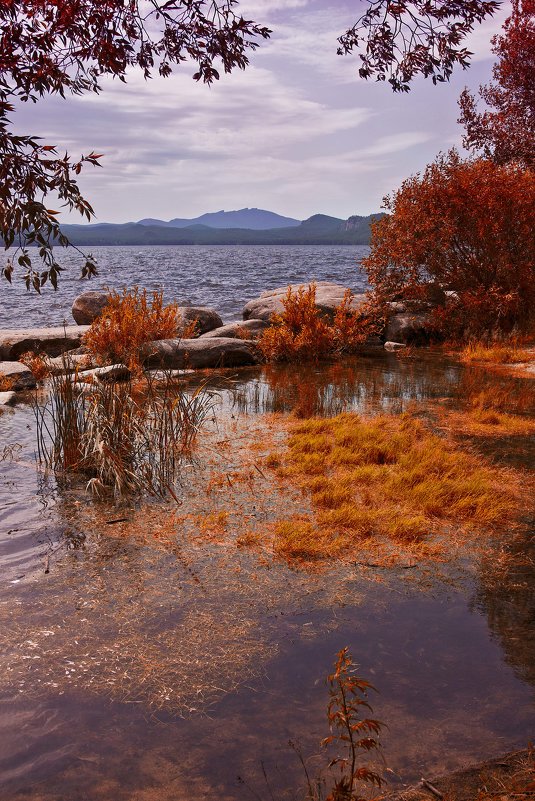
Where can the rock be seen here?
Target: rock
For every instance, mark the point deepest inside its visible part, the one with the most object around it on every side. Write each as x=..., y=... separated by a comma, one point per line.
x=242, y=329
x=397, y=307
x=61, y=365
x=412, y=329
x=113, y=372
x=88, y=306
x=7, y=398
x=200, y=353
x=16, y=376
x=50, y=341
x=206, y=319
x=328, y=296
x=393, y=346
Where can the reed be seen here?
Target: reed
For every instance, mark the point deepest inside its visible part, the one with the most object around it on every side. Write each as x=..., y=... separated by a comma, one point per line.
x=124, y=438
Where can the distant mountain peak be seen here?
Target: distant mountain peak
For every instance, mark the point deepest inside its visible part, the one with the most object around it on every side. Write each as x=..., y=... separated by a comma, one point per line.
x=249, y=219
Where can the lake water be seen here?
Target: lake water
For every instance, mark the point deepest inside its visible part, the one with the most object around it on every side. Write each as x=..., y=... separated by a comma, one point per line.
x=224, y=278
x=140, y=666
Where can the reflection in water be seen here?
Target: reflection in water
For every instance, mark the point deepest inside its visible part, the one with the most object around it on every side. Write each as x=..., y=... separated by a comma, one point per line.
x=506, y=593
x=159, y=660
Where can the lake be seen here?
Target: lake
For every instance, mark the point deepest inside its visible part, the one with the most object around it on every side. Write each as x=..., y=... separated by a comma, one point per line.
x=149, y=655
x=157, y=659
x=223, y=278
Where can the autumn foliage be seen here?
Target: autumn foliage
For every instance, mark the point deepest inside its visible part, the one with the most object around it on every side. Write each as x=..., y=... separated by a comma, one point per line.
x=131, y=319
x=504, y=129
x=301, y=332
x=468, y=226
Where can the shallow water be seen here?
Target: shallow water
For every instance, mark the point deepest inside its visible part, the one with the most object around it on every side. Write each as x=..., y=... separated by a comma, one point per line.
x=143, y=667
x=223, y=278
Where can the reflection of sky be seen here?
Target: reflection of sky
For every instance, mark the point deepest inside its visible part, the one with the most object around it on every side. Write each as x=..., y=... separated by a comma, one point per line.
x=297, y=132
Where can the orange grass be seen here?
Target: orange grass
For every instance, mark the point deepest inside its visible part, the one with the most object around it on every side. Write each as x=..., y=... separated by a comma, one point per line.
x=497, y=353
x=129, y=321
x=386, y=477
x=303, y=332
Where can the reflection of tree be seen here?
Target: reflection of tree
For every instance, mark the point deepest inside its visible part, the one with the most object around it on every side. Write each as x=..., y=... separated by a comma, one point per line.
x=507, y=596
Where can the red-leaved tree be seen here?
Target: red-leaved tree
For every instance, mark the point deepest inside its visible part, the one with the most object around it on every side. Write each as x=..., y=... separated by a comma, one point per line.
x=505, y=130
x=467, y=225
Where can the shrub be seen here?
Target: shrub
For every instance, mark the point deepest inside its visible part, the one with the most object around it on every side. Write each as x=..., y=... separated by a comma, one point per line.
x=301, y=332
x=37, y=364
x=467, y=225
x=129, y=321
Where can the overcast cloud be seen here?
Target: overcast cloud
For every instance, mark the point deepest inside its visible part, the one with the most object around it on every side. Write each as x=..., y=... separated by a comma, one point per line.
x=297, y=132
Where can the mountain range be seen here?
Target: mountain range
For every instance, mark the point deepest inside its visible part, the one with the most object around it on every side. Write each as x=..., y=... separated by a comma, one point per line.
x=241, y=227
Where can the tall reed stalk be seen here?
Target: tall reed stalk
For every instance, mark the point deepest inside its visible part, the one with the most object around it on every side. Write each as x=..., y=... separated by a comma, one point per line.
x=126, y=438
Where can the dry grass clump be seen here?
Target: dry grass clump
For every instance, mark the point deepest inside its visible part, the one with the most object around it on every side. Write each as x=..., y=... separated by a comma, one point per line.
x=496, y=353
x=303, y=333
x=386, y=477
x=131, y=319
x=501, y=409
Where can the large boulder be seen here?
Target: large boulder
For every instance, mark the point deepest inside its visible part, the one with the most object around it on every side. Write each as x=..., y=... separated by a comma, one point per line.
x=328, y=296
x=199, y=353
x=410, y=329
x=243, y=329
x=16, y=376
x=205, y=319
x=88, y=306
x=50, y=341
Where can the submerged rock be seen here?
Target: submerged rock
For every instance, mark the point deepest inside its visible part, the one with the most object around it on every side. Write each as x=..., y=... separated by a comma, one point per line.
x=50, y=341
x=88, y=306
x=393, y=346
x=328, y=296
x=200, y=353
x=17, y=376
x=242, y=329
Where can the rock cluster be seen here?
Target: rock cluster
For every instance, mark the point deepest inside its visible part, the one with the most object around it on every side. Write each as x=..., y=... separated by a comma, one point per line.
x=215, y=344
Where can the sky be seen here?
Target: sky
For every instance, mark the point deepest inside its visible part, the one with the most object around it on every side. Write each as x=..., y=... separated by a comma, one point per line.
x=297, y=132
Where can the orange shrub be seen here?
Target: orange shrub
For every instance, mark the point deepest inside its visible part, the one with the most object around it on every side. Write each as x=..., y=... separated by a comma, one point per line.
x=468, y=226
x=129, y=320
x=37, y=364
x=302, y=333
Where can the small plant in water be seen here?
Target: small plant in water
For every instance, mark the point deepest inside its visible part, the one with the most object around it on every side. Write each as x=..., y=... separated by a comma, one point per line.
x=351, y=730
x=125, y=438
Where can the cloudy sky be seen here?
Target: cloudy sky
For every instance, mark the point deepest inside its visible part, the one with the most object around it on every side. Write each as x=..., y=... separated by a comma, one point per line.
x=297, y=133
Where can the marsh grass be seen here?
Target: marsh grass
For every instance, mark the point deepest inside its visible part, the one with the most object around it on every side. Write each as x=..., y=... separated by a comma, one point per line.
x=497, y=353
x=386, y=477
x=124, y=438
